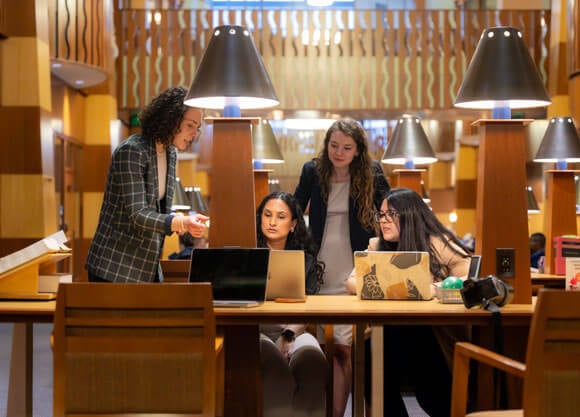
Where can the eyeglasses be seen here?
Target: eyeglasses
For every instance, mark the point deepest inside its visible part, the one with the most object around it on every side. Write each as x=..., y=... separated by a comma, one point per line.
x=388, y=216
x=198, y=126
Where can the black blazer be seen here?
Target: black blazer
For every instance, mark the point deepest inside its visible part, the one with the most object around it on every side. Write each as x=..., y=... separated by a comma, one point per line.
x=308, y=190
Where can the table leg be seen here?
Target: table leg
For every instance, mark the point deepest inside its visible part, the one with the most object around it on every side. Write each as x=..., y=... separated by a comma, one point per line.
x=359, y=371
x=19, y=402
x=377, y=371
x=243, y=383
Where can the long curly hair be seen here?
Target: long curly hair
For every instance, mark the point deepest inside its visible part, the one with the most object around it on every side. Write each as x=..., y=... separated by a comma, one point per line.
x=161, y=118
x=300, y=238
x=417, y=225
x=361, y=178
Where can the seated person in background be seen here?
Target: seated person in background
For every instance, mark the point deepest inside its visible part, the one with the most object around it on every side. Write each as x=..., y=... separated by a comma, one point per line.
x=537, y=248
x=418, y=356
x=187, y=243
x=294, y=368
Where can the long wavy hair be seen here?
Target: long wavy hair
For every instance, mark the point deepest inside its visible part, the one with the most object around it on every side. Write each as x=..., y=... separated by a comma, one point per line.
x=361, y=178
x=300, y=238
x=417, y=225
x=161, y=118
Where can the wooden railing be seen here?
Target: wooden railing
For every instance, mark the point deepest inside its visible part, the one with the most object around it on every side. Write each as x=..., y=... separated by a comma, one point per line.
x=335, y=60
x=81, y=32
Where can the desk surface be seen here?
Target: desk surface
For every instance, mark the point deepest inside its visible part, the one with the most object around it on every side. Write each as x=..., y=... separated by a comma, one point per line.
x=327, y=309
x=245, y=399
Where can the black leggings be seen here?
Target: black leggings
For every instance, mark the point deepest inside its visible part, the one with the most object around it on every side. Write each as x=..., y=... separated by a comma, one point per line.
x=413, y=359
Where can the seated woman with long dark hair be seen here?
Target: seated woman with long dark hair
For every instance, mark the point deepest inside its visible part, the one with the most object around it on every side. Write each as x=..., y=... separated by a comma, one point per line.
x=294, y=368
x=418, y=357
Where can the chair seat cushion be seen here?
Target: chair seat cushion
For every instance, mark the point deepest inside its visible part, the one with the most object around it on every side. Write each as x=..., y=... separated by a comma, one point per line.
x=497, y=413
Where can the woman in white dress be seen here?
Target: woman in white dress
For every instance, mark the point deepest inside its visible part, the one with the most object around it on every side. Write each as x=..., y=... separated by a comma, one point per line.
x=342, y=187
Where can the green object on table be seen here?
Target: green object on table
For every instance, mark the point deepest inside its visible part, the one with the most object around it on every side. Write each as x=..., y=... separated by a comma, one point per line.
x=452, y=283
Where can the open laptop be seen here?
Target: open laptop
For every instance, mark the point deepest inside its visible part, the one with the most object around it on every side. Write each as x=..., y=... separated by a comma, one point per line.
x=286, y=275
x=384, y=275
x=238, y=275
x=474, y=266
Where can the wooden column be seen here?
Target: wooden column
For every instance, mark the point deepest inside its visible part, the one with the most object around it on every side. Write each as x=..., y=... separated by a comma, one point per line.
x=559, y=211
x=501, y=208
x=261, y=186
x=409, y=178
x=233, y=213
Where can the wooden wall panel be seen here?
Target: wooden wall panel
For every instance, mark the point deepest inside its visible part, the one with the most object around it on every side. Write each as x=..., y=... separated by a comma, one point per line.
x=21, y=145
x=20, y=17
x=95, y=161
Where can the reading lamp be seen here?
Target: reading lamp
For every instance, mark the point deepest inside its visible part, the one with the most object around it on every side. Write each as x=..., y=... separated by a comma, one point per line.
x=409, y=146
x=265, y=147
x=232, y=77
x=197, y=201
x=502, y=76
x=533, y=206
x=559, y=146
x=180, y=200
x=265, y=151
x=424, y=193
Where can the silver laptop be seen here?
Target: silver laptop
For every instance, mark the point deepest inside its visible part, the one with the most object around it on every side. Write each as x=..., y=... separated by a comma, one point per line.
x=238, y=275
x=383, y=275
x=286, y=275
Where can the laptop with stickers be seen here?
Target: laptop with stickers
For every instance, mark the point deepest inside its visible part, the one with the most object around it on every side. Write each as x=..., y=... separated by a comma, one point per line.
x=382, y=275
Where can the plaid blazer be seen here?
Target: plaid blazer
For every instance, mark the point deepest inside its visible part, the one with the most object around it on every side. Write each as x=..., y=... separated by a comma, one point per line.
x=132, y=225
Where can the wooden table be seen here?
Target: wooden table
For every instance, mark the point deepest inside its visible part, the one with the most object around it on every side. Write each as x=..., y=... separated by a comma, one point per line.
x=548, y=280
x=243, y=392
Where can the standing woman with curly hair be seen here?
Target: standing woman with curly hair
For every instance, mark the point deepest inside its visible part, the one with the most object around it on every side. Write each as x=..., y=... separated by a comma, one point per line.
x=343, y=188
x=136, y=211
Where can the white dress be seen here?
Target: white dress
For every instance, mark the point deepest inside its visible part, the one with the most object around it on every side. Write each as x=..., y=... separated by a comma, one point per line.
x=336, y=253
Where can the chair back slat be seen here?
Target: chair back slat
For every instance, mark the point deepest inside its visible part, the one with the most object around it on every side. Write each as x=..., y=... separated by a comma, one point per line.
x=134, y=350
x=552, y=380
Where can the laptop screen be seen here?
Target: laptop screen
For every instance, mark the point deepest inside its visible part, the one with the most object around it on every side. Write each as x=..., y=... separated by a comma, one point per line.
x=474, y=266
x=235, y=273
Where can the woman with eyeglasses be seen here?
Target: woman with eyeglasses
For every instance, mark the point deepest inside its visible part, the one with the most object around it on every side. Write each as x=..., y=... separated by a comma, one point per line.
x=294, y=368
x=418, y=357
x=343, y=188
x=136, y=210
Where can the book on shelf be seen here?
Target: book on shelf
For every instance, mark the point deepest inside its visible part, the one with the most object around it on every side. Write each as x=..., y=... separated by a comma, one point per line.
x=54, y=243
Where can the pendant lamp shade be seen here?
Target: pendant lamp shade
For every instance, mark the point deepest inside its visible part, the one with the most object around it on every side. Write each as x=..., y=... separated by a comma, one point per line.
x=560, y=142
x=198, y=203
x=533, y=206
x=424, y=193
x=409, y=144
x=180, y=200
x=501, y=74
x=264, y=146
x=231, y=73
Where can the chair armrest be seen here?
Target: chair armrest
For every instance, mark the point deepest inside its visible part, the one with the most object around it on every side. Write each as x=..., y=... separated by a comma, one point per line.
x=464, y=352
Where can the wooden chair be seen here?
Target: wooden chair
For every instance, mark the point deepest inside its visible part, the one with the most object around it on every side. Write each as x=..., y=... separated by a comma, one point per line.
x=551, y=374
x=136, y=350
